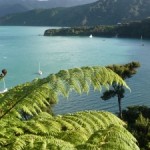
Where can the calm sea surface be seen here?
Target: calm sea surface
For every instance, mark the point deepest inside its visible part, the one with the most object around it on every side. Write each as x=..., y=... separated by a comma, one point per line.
x=22, y=48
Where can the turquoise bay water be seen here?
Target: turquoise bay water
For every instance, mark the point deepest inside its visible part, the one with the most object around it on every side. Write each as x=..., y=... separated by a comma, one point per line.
x=22, y=48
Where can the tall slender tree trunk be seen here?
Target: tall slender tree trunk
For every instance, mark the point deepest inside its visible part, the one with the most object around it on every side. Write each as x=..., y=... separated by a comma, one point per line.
x=119, y=104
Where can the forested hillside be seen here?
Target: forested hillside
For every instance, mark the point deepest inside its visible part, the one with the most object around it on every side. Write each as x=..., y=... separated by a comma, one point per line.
x=102, y=12
x=136, y=29
x=14, y=6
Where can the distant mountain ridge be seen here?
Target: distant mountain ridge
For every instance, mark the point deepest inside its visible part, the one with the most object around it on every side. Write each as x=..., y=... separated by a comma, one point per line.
x=13, y=6
x=101, y=12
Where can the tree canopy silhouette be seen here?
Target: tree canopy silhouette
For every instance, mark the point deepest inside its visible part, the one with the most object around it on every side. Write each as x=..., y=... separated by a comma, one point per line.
x=124, y=71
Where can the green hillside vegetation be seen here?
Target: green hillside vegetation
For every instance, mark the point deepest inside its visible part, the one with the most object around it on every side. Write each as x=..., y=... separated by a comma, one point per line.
x=82, y=31
x=40, y=130
x=18, y=6
x=102, y=12
x=124, y=71
x=138, y=120
x=134, y=29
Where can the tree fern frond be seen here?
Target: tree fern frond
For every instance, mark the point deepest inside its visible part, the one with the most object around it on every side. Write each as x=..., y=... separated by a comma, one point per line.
x=44, y=146
x=83, y=123
x=19, y=144
x=65, y=125
x=43, y=115
x=107, y=118
x=74, y=85
x=40, y=127
x=37, y=107
x=94, y=122
x=27, y=110
x=85, y=127
x=40, y=90
x=30, y=144
x=74, y=137
x=113, y=137
x=69, y=131
x=18, y=131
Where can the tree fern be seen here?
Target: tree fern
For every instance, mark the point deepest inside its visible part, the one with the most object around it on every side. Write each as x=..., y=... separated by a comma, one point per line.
x=109, y=137
x=47, y=132
x=43, y=131
x=34, y=96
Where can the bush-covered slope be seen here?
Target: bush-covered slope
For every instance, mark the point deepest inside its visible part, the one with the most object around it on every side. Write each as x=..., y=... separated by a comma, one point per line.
x=135, y=29
x=101, y=12
x=14, y=6
x=138, y=120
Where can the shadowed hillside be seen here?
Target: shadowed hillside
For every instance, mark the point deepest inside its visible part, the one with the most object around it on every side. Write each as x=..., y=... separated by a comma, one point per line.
x=101, y=12
x=14, y=6
x=134, y=29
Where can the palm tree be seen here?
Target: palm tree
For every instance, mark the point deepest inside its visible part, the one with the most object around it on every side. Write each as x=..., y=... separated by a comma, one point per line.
x=124, y=71
x=82, y=130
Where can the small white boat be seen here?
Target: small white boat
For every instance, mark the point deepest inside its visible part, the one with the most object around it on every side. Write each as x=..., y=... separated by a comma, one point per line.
x=91, y=36
x=142, y=41
x=4, y=89
x=40, y=72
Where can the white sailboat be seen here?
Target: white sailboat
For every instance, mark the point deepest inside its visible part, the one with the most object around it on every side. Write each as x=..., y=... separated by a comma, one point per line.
x=91, y=36
x=142, y=41
x=39, y=71
x=4, y=88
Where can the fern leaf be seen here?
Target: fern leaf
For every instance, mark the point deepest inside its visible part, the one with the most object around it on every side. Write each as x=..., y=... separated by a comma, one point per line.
x=33, y=97
x=70, y=131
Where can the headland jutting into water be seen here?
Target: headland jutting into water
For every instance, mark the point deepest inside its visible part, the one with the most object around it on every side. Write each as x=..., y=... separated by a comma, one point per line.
x=134, y=29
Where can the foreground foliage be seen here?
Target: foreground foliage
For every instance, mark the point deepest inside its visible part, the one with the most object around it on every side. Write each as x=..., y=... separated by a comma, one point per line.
x=125, y=71
x=138, y=120
x=25, y=124
x=36, y=96
x=82, y=130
